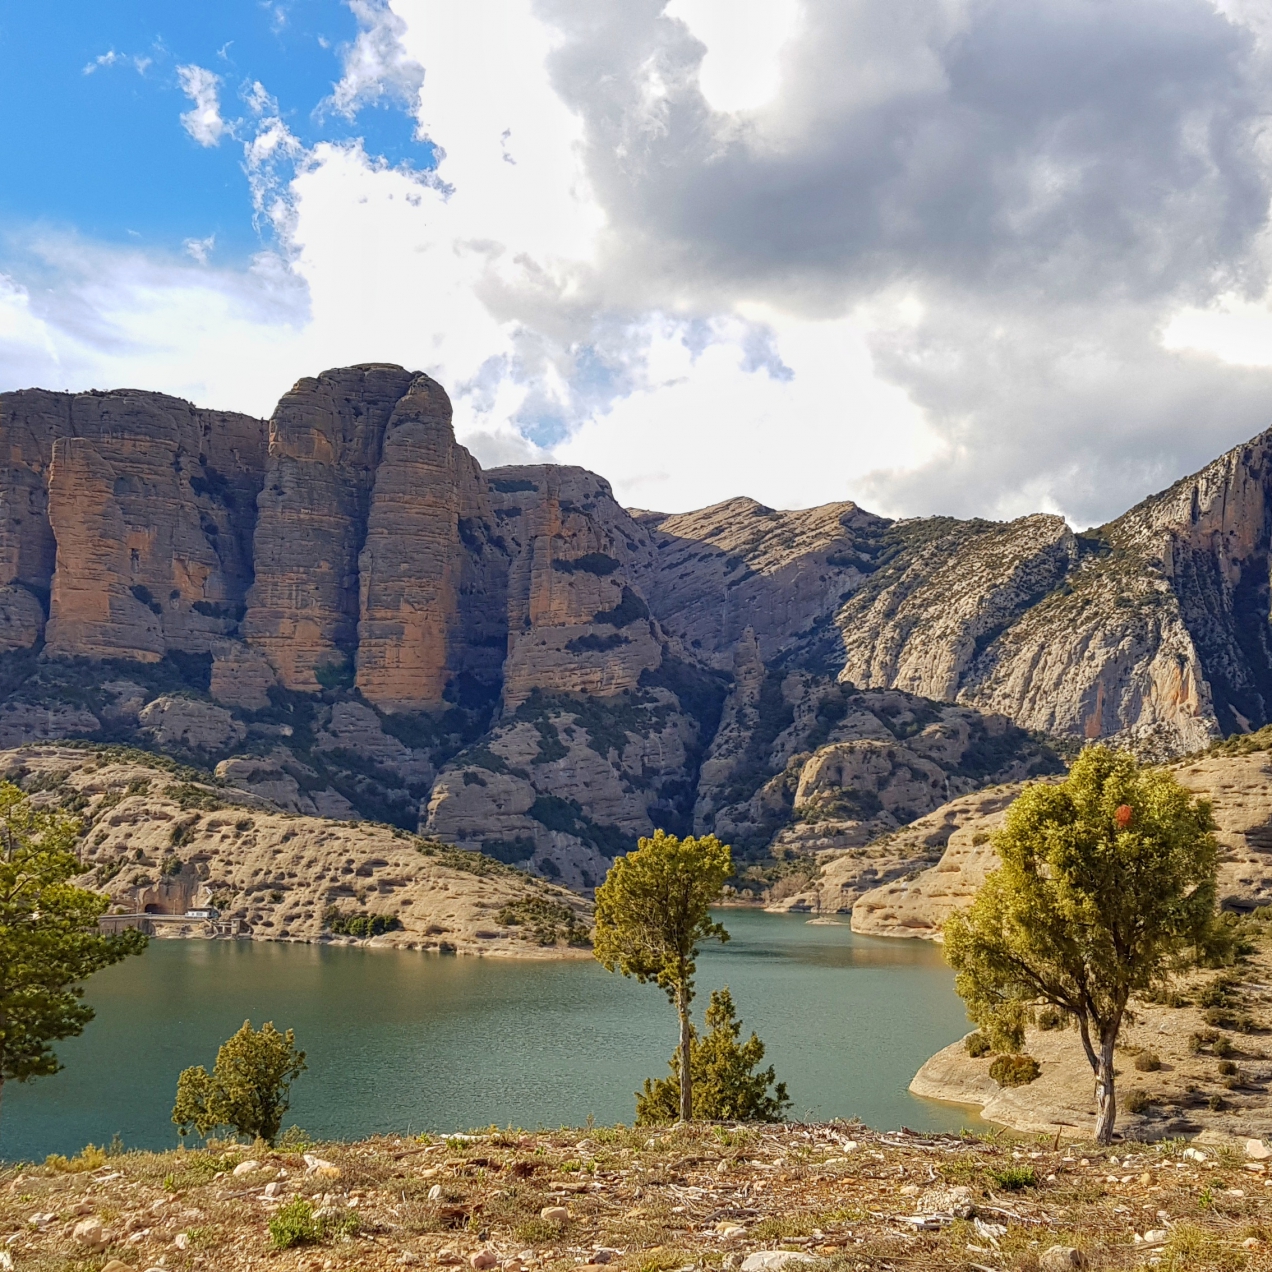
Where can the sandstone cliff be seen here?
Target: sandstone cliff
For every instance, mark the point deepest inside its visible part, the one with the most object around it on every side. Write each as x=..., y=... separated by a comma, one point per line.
x=341, y=612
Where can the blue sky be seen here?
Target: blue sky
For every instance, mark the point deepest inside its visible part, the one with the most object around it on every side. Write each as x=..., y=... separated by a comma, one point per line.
x=103, y=149
x=973, y=257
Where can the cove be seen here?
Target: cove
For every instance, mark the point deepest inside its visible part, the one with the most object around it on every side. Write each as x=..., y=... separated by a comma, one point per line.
x=404, y=1041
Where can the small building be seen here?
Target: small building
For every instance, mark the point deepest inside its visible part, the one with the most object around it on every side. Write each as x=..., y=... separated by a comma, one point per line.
x=204, y=912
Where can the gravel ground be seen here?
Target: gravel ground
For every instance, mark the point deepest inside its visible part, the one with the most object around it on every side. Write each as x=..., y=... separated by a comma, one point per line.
x=643, y=1200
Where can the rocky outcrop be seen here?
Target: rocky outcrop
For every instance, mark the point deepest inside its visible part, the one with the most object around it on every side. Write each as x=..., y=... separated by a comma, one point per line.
x=133, y=514
x=1237, y=786
x=325, y=441
x=577, y=619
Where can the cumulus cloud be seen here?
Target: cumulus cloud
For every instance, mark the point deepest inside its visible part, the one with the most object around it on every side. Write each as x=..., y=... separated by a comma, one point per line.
x=138, y=62
x=376, y=66
x=965, y=256
x=203, y=120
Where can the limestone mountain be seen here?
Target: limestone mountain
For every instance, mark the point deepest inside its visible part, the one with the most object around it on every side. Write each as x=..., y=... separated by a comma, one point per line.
x=338, y=610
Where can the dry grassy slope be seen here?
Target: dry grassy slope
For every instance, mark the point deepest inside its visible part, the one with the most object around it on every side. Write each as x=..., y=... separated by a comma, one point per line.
x=275, y=871
x=706, y=1197
x=1189, y=1094
x=1239, y=787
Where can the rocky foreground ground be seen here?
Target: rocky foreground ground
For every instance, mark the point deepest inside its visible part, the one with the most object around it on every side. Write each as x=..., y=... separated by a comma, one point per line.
x=833, y=1196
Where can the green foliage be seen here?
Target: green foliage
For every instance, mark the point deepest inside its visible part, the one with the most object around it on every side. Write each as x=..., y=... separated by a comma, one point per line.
x=1014, y=1178
x=1015, y=1070
x=336, y=675
x=547, y=921
x=359, y=924
x=976, y=1045
x=567, y=817
x=1137, y=1101
x=248, y=1089
x=89, y=1158
x=726, y=1086
x=473, y=863
x=1106, y=888
x=1148, y=1062
x=295, y=1224
x=652, y=913
x=1052, y=1018
x=49, y=938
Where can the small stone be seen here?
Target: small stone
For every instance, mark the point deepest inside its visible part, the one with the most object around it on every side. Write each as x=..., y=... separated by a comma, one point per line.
x=1193, y=1155
x=448, y=1257
x=89, y=1233
x=181, y=1241
x=273, y=1189
x=1060, y=1258
x=483, y=1259
x=83, y=1208
x=910, y=1190
x=117, y=1265
x=435, y=1192
x=1256, y=1168
x=246, y=1168
x=603, y=1254
x=1156, y=1236
x=408, y=1257
x=1257, y=1151
x=774, y=1260
x=953, y=1200
x=1146, y=1178
x=727, y=1228
x=555, y=1214
x=1250, y=1243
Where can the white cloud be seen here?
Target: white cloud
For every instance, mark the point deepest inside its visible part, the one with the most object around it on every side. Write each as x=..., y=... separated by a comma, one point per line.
x=688, y=249
x=376, y=65
x=137, y=61
x=203, y=120
x=200, y=249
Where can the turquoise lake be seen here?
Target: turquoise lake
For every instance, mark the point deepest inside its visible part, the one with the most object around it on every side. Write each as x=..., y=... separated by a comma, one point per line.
x=404, y=1041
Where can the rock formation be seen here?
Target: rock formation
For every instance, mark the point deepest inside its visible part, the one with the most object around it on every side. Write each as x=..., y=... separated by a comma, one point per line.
x=339, y=610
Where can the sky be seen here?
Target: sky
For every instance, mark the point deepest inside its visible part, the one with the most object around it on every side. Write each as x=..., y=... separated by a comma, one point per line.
x=967, y=257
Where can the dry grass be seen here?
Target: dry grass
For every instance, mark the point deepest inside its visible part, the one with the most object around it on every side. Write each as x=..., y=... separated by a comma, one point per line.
x=660, y=1199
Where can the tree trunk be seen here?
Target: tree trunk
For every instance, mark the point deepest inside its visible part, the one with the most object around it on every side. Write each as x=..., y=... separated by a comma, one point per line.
x=686, y=1039
x=1105, y=1096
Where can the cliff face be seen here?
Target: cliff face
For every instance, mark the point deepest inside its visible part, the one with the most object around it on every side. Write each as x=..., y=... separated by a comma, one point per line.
x=132, y=513
x=340, y=611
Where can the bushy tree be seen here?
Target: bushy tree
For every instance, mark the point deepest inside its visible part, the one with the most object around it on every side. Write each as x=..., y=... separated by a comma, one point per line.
x=726, y=1086
x=248, y=1088
x=1106, y=887
x=652, y=913
x=49, y=937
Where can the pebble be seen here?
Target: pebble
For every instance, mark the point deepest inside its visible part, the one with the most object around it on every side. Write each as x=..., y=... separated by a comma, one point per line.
x=1256, y=1150
x=117, y=1265
x=1193, y=1155
x=435, y=1192
x=272, y=1189
x=1250, y=1243
x=89, y=1233
x=774, y=1260
x=555, y=1214
x=246, y=1168
x=482, y=1259
x=448, y=1257
x=181, y=1241
x=1061, y=1258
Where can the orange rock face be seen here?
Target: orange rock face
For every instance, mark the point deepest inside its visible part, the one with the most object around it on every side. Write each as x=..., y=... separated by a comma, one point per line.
x=134, y=510
x=429, y=555
x=325, y=441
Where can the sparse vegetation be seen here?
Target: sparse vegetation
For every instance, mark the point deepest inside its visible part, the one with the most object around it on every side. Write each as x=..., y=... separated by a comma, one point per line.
x=1015, y=1070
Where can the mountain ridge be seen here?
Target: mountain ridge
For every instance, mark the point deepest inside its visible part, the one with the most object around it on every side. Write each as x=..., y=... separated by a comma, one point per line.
x=340, y=609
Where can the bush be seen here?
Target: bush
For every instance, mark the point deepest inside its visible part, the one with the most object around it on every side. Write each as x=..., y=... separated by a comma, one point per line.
x=91, y=1158
x=1137, y=1102
x=977, y=1045
x=1014, y=1178
x=1148, y=1062
x=295, y=1225
x=1052, y=1018
x=545, y=921
x=1227, y=1067
x=1014, y=1071
x=363, y=926
x=1216, y=1103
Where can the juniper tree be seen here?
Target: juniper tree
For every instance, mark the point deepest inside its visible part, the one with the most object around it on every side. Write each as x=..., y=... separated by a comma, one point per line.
x=1106, y=887
x=49, y=937
x=652, y=913
x=248, y=1088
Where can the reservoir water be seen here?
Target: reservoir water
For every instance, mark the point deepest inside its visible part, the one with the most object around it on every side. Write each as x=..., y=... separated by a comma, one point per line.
x=404, y=1041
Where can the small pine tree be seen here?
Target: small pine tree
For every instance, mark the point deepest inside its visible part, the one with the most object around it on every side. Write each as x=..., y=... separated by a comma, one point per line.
x=726, y=1086
x=248, y=1088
